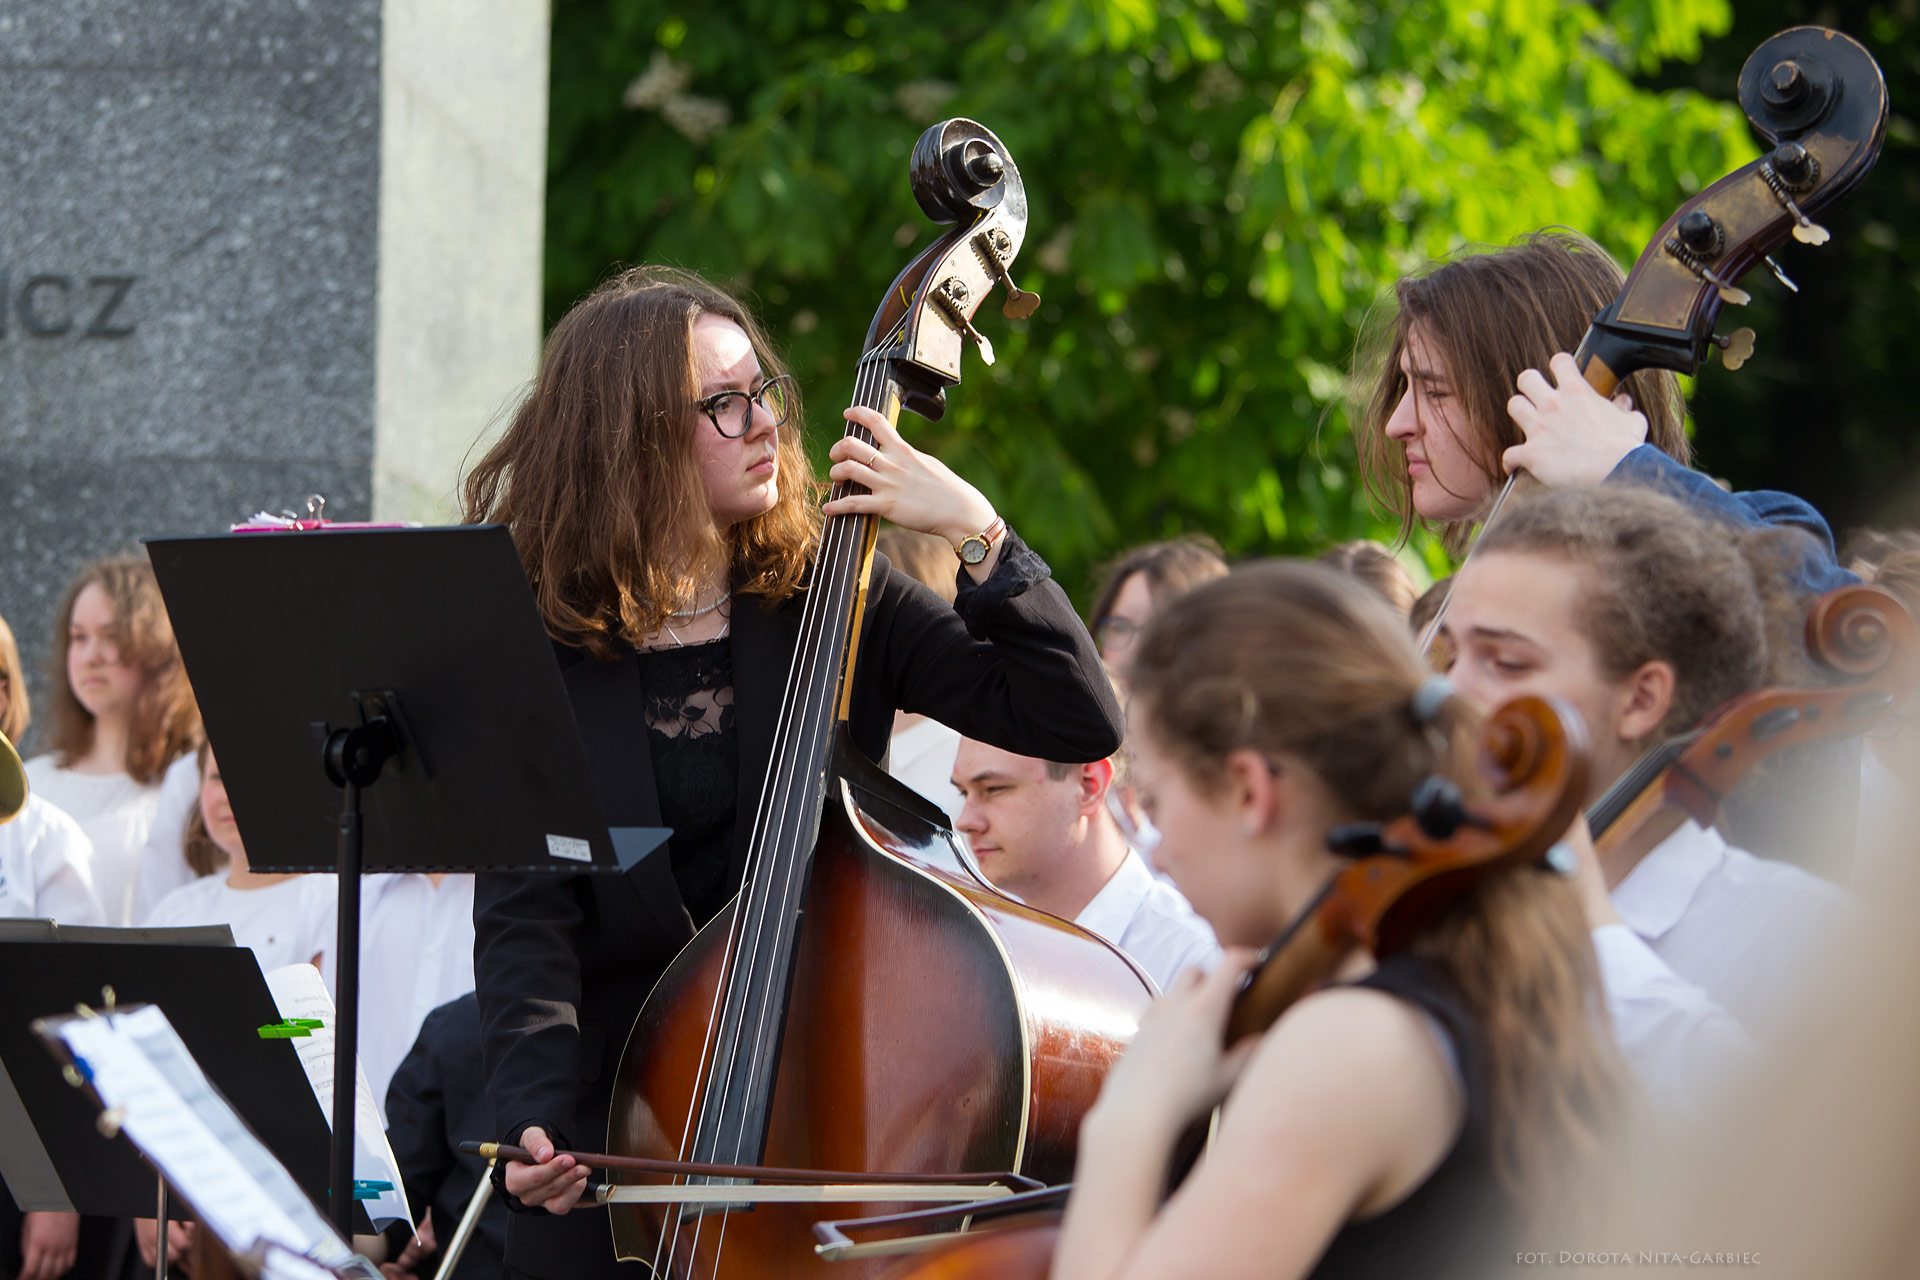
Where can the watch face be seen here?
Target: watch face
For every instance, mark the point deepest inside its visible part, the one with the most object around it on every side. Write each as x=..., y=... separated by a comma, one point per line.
x=973, y=550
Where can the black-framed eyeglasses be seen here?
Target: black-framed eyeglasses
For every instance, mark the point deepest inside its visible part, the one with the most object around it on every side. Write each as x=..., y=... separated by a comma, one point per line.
x=731, y=412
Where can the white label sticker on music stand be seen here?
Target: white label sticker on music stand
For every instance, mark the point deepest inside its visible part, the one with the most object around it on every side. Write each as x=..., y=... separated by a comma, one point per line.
x=569, y=848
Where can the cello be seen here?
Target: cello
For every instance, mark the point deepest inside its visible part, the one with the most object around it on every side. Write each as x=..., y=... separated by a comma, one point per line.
x=1403, y=876
x=1818, y=97
x=1862, y=634
x=858, y=1024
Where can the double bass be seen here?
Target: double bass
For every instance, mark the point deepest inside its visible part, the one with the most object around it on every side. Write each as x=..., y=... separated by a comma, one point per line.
x=859, y=1025
x=1818, y=98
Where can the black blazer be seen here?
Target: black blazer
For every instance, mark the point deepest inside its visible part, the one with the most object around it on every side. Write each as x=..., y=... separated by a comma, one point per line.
x=435, y=1102
x=563, y=963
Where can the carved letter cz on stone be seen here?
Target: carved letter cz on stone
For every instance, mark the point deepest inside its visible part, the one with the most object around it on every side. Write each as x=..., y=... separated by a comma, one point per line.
x=51, y=306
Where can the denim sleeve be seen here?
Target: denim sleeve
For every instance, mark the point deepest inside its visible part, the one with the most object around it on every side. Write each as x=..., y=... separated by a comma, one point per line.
x=1818, y=570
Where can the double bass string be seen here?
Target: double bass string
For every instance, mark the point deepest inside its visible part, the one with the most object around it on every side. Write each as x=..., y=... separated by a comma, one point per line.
x=842, y=538
x=841, y=551
x=790, y=703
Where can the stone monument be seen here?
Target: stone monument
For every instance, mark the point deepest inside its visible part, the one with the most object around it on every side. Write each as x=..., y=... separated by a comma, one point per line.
x=252, y=250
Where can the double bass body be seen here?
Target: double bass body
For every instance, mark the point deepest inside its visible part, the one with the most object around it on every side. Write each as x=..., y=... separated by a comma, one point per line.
x=933, y=1026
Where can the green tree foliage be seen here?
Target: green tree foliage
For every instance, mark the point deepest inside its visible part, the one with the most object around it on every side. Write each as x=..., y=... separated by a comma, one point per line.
x=1220, y=190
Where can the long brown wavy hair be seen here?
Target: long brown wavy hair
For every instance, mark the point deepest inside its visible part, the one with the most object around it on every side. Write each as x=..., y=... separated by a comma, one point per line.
x=597, y=477
x=1299, y=660
x=165, y=724
x=1491, y=314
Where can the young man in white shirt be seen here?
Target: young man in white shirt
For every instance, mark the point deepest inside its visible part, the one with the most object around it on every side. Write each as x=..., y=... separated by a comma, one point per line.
x=1646, y=617
x=1041, y=832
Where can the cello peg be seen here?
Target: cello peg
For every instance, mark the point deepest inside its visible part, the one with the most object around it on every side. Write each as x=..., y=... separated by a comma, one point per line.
x=1736, y=348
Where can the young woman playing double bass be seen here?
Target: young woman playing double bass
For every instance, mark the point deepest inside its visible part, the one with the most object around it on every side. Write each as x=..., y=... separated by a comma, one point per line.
x=1411, y=1118
x=660, y=496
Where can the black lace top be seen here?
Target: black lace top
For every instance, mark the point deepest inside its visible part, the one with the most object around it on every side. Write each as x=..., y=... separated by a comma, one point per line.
x=696, y=764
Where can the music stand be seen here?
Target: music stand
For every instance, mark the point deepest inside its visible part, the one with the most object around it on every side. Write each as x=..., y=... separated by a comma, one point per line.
x=415, y=658
x=52, y=1155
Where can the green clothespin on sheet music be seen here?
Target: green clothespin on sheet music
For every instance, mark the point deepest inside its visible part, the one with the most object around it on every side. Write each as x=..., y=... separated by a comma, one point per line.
x=290, y=1028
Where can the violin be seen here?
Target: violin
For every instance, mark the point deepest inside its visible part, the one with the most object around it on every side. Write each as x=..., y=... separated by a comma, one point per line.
x=1862, y=634
x=859, y=1025
x=1819, y=100
x=1403, y=877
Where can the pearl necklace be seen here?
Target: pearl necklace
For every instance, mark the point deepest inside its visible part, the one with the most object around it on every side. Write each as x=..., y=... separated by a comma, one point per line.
x=703, y=609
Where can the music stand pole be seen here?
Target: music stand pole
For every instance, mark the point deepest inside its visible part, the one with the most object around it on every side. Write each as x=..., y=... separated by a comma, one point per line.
x=353, y=759
x=160, y=1231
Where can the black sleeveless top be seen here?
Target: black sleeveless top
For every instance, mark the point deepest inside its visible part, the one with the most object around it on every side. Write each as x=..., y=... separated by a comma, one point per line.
x=688, y=694
x=1459, y=1223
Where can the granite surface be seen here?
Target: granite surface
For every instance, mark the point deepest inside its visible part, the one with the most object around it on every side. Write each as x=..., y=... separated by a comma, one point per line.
x=190, y=263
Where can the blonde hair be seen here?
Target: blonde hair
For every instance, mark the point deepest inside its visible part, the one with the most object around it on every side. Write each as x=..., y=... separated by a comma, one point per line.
x=16, y=713
x=1297, y=660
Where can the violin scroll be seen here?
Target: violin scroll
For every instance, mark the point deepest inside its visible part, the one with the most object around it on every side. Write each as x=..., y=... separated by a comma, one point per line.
x=1407, y=874
x=1864, y=632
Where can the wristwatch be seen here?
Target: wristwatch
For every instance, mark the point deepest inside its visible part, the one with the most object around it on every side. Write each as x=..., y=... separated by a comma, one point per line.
x=973, y=548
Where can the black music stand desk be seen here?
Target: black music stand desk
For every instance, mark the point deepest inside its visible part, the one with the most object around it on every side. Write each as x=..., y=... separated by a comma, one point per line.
x=52, y=1154
x=414, y=659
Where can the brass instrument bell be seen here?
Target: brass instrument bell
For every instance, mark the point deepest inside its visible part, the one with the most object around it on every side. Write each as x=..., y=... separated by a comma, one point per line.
x=13, y=782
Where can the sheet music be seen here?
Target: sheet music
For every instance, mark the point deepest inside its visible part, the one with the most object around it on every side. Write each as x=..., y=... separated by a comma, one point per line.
x=141, y=1069
x=299, y=992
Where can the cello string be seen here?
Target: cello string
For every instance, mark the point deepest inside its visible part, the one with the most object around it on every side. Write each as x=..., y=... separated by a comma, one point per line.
x=808, y=667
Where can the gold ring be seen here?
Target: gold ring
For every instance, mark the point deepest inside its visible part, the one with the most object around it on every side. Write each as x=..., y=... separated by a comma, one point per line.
x=875, y=458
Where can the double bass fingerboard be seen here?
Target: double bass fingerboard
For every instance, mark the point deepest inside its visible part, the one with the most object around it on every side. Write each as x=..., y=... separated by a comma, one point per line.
x=741, y=1053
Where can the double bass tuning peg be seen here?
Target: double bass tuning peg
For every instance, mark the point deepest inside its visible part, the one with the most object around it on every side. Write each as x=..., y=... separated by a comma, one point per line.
x=1736, y=348
x=996, y=248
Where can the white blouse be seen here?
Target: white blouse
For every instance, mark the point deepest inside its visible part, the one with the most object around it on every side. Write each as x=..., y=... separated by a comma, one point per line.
x=46, y=867
x=116, y=813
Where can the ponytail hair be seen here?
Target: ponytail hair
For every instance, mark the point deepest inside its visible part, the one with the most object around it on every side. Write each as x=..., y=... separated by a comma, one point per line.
x=1299, y=660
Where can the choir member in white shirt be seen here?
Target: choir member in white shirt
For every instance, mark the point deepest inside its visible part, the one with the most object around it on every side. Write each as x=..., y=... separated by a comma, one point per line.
x=162, y=865
x=1646, y=616
x=122, y=712
x=285, y=919
x=416, y=954
x=921, y=751
x=45, y=858
x=1041, y=832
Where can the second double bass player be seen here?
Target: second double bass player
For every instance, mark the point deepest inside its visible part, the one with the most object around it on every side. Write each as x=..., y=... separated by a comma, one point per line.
x=660, y=497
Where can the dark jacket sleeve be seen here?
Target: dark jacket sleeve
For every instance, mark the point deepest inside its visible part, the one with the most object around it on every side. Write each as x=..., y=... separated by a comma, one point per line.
x=527, y=979
x=1009, y=663
x=1819, y=569
x=417, y=1118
